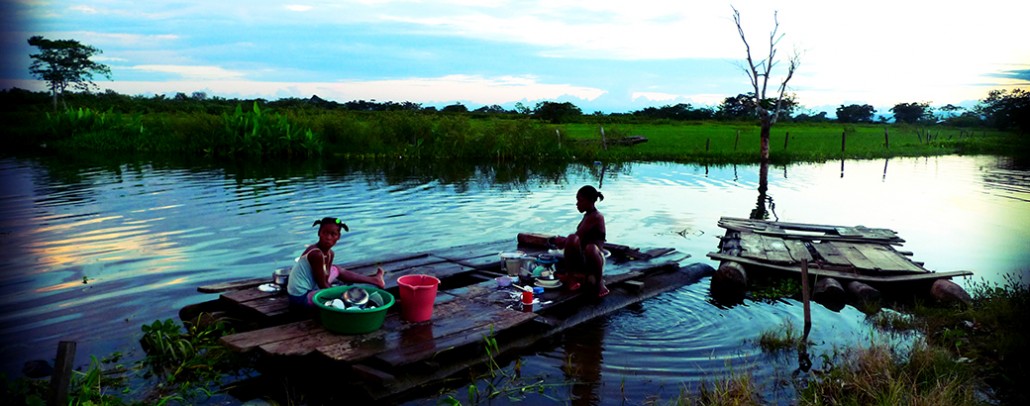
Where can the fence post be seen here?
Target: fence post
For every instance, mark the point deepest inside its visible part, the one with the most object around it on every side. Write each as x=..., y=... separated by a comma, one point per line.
x=843, y=139
x=886, y=138
x=62, y=373
x=708, y=143
x=737, y=141
x=559, y=137
x=785, y=139
x=604, y=142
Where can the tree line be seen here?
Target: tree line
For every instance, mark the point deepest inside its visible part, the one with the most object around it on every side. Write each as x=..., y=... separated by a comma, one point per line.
x=65, y=64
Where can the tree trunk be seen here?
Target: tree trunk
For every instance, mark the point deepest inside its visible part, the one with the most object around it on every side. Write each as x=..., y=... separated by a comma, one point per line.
x=766, y=130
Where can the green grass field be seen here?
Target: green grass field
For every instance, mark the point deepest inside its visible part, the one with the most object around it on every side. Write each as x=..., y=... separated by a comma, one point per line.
x=736, y=142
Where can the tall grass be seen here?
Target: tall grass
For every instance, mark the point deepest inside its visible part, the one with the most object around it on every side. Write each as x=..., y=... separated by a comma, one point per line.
x=256, y=131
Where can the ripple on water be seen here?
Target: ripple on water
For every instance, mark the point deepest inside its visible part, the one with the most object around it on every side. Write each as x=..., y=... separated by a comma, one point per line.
x=145, y=236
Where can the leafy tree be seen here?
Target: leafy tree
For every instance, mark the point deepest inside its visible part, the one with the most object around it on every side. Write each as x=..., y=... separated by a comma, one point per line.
x=455, y=108
x=681, y=111
x=64, y=63
x=1006, y=110
x=808, y=118
x=913, y=113
x=491, y=109
x=522, y=109
x=855, y=113
x=966, y=119
x=556, y=113
x=760, y=72
x=737, y=107
x=743, y=106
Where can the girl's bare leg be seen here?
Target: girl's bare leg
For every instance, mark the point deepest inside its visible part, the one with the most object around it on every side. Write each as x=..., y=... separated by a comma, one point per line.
x=594, y=268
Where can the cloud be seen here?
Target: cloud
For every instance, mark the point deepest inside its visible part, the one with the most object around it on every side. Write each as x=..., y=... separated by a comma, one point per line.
x=84, y=9
x=191, y=72
x=298, y=7
x=120, y=39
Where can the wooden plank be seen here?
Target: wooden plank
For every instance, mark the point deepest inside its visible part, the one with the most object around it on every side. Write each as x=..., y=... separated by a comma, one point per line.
x=385, y=261
x=798, y=251
x=830, y=254
x=441, y=270
x=233, y=285
x=249, y=340
x=886, y=259
x=274, y=306
x=450, y=318
x=751, y=246
x=853, y=255
x=811, y=231
x=249, y=294
x=403, y=266
x=425, y=349
x=459, y=253
x=886, y=278
x=871, y=233
x=775, y=250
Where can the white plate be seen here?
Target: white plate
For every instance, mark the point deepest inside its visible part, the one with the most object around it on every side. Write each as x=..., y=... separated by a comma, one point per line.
x=561, y=253
x=269, y=287
x=558, y=285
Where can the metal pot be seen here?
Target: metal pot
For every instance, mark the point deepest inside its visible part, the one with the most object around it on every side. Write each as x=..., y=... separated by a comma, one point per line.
x=281, y=277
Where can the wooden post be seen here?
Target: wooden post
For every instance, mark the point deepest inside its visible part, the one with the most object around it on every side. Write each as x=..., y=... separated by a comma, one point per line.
x=737, y=141
x=708, y=143
x=604, y=142
x=785, y=139
x=843, y=139
x=805, y=296
x=886, y=138
x=62, y=373
x=559, y=137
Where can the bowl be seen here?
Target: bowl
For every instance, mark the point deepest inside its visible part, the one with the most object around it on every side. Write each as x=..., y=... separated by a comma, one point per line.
x=503, y=281
x=351, y=321
x=548, y=283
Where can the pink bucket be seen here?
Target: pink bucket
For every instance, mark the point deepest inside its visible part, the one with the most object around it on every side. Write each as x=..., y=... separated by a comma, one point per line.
x=418, y=292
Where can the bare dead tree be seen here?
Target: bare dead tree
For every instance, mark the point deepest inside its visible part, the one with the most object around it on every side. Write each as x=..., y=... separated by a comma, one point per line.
x=759, y=73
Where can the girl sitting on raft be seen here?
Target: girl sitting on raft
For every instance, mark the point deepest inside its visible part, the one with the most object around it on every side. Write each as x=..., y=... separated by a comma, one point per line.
x=314, y=269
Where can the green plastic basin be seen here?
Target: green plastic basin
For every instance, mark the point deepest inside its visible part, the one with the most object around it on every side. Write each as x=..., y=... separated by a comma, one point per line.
x=358, y=321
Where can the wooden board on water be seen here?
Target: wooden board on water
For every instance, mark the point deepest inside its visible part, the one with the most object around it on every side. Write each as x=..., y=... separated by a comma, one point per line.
x=788, y=230
x=876, y=257
x=844, y=276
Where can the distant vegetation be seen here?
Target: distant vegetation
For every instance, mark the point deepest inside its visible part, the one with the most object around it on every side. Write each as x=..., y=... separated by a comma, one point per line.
x=233, y=128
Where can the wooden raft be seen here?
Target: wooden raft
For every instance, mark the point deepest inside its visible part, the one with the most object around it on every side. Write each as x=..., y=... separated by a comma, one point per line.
x=848, y=253
x=468, y=308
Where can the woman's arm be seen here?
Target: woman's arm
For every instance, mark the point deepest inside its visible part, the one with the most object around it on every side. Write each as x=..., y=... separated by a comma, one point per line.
x=320, y=268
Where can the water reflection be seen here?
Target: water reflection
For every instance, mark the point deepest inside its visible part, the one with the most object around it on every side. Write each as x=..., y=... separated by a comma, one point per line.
x=145, y=233
x=583, y=359
x=765, y=204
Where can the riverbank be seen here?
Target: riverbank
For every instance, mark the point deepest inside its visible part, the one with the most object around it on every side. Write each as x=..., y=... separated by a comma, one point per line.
x=254, y=132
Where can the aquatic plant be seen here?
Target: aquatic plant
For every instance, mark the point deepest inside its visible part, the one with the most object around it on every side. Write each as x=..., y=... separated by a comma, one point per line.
x=258, y=133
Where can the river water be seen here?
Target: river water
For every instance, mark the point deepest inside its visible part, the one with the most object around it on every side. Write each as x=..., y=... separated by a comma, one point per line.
x=94, y=248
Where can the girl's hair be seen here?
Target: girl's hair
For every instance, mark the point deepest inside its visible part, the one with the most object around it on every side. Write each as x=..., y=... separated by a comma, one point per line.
x=331, y=220
x=588, y=192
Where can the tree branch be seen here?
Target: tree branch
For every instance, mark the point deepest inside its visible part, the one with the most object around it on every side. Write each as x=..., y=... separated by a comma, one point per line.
x=752, y=73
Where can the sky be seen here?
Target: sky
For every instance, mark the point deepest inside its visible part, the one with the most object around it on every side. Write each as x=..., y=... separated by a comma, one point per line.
x=607, y=56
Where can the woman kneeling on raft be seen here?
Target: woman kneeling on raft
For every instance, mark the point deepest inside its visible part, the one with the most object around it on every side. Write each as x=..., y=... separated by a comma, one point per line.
x=584, y=254
x=314, y=269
